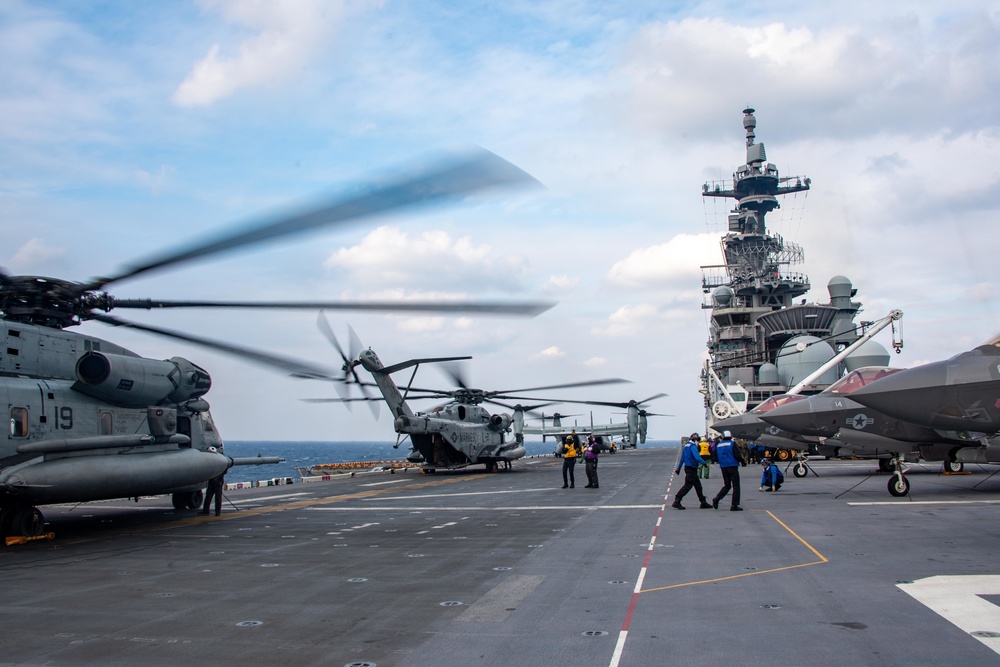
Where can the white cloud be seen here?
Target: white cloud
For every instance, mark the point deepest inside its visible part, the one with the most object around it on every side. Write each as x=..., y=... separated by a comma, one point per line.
x=677, y=261
x=389, y=256
x=551, y=353
x=556, y=284
x=595, y=361
x=287, y=35
x=33, y=253
x=156, y=181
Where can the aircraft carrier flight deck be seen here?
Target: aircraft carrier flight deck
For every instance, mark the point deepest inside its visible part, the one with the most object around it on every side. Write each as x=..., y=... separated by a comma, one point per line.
x=458, y=569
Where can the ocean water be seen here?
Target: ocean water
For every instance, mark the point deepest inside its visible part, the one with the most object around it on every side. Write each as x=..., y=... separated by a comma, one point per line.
x=303, y=454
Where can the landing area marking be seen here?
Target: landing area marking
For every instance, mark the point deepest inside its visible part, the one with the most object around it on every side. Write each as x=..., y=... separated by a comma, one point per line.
x=455, y=495
x=299, y=504
x=484, y=508
x=906, y=503
x=822, y=559
x=957, y=599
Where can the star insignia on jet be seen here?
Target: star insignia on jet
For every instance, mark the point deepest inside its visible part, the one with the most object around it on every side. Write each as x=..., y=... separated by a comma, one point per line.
x=860, y=420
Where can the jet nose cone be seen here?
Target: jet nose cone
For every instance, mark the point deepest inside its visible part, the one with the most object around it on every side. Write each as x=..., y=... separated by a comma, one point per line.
x=912, y=395
x=745, y=426
x=795, y=417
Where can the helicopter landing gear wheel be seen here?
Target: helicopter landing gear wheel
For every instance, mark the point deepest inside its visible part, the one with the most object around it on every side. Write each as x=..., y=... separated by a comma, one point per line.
x=899, y=486
x=800, y=470
x=188, y=500
x=27, y=521
x=491, y=466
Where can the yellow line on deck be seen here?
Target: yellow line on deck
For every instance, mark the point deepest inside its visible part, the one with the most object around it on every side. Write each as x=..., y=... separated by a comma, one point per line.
x=822, y=559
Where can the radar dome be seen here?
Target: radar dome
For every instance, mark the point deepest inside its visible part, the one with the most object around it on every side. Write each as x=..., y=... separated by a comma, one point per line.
x=722, y=296
x=801, y=356
x=839, y=286
x=869, y=353
x=768, y=374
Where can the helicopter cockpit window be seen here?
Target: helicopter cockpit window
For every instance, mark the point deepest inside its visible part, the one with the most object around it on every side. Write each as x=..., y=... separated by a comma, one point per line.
x=19, y=422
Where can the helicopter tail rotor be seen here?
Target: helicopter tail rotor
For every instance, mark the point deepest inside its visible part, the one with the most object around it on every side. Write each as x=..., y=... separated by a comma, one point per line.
x=351, y=363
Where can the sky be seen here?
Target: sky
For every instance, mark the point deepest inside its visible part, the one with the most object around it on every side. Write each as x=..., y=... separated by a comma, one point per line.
x=132, y=129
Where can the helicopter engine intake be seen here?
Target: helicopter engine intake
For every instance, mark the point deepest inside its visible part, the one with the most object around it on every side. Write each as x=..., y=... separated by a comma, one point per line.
x=500, y=422
x=135, y=382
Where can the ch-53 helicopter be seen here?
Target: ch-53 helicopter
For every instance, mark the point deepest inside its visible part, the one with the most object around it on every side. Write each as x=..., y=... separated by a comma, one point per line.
x=456, y=434
x=91, y=420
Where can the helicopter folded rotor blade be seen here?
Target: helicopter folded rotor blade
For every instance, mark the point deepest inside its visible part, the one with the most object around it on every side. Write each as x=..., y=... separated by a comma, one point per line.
x=527, y=308
x=293, y=367
x=448, y=179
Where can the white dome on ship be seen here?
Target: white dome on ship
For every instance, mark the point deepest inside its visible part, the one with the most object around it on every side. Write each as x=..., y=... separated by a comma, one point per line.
x=839, y=286
x=801, y=356
x=768, y=374
x=869, y=353
x=722, y=296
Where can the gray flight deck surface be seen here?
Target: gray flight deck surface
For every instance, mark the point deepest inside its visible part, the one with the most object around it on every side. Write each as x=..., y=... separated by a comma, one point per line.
x=509, y=568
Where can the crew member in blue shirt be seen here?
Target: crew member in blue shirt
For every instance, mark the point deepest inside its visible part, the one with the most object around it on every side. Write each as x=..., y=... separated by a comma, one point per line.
x=730, y=460
x=772, y=479
x=690, y=460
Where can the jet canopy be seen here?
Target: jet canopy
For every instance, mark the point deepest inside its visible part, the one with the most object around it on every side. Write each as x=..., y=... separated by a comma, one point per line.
x=859, y=378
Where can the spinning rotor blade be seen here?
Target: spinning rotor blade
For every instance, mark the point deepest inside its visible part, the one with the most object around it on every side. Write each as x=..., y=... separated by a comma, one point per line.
x=529, y=309
x=293, y=367
x=355, y=349
x=625, y=404
x=456, y=373
x=587, y=383
x=324, y=327
x=527, y=409
x=479, y=170
x=350, y=364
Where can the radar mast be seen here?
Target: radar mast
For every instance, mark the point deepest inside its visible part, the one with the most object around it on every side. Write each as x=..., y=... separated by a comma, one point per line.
x=751, y=296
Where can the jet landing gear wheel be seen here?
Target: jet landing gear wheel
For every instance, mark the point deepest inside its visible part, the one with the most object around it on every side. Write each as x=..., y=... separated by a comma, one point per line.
x=188, y=500
x=954, y=466
x=899, y=486
x=800, y=470
x=27, y=521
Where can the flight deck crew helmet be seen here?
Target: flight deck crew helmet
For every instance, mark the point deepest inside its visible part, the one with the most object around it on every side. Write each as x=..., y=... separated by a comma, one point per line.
x=765, y=462
x=727, y=434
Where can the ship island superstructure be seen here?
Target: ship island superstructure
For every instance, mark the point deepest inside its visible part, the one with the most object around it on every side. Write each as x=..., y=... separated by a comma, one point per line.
x=761, y=342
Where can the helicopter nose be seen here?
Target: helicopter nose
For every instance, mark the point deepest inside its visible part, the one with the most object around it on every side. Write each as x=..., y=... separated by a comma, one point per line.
x=796, y=417
x=915, y=394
